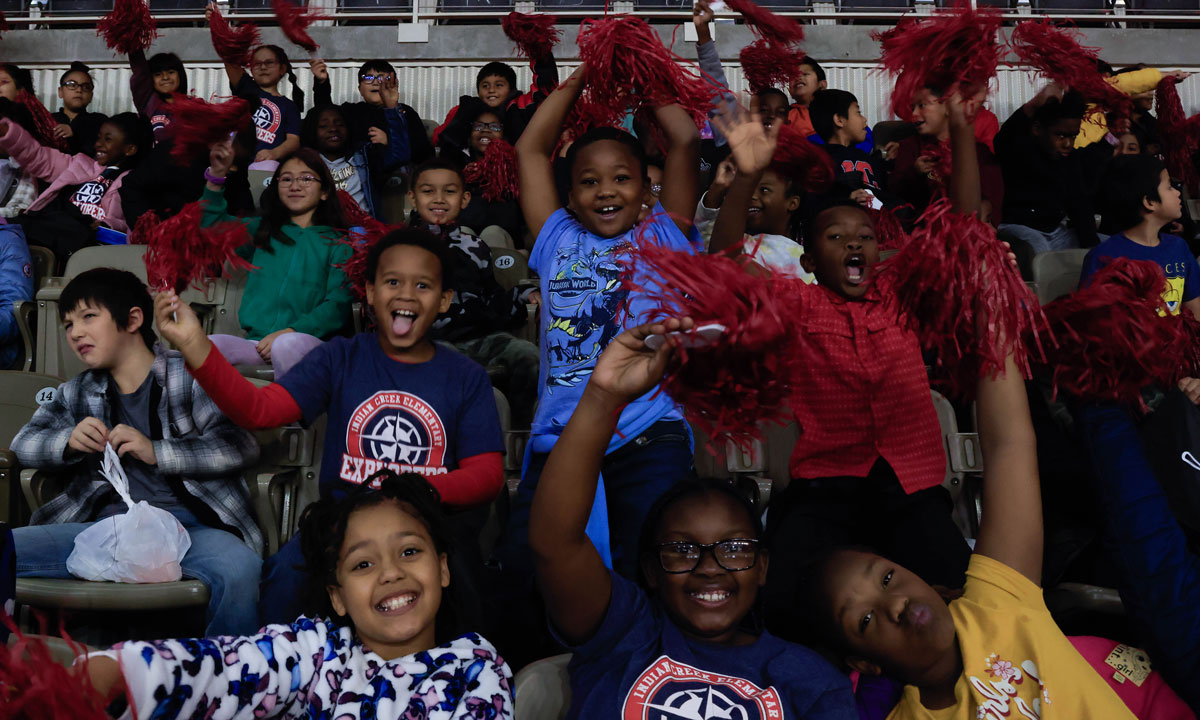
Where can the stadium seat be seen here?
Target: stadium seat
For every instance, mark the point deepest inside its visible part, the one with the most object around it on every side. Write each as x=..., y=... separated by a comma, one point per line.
x=375, y=5
x=874, y=4
x=962, y=456
x=542, y=690
x=889, y=131
x=1056, y=273
x=1022, y=249
x=78, y=7
x=43, y=261
x=21, y=393
x=169, y=7
x=495, y=236
x=510, y=267
x=52, y=355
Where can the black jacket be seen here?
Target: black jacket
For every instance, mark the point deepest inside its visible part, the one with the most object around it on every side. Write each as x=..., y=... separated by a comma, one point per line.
x=361, y=116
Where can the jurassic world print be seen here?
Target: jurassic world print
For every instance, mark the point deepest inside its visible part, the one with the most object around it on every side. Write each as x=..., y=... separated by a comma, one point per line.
x=586, y=302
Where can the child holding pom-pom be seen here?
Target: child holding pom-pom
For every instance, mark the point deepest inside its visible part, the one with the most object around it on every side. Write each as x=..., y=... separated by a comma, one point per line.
x=576, y=254
x=869, y=464
x=153, y=82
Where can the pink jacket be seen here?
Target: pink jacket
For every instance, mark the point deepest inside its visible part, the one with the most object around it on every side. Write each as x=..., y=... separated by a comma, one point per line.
x=62, y=170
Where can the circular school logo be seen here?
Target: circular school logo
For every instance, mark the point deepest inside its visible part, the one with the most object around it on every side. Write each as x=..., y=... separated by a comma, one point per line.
x=89, y=193
x=267, y=116
x=396, y=430
x=670, y=690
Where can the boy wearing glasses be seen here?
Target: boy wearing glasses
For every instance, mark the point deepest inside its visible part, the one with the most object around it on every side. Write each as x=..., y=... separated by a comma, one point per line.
x=379, y=112
x=75, y=123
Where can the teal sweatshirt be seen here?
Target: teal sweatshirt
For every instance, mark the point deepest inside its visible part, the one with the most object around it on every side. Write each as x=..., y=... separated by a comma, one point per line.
x=295, y=285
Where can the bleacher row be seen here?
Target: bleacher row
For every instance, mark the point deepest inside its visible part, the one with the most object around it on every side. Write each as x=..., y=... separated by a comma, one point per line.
x=166, y=8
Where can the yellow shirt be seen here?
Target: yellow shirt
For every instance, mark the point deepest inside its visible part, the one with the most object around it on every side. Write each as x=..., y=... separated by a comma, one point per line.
x=1016, y=662
x=1095, y=125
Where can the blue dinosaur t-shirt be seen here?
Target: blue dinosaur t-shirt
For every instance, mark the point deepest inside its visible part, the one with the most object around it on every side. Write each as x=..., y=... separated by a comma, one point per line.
x=584, y=306
x=1171, y=254
x=383, y=413
x=640, y=666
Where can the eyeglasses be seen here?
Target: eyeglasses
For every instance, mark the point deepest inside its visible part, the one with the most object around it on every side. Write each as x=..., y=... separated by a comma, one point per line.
x=264, y=63
x=74, y=85
x=373, y=79
x=301, y=180
x=655, y=189
x=487, y=127
x=733, y=555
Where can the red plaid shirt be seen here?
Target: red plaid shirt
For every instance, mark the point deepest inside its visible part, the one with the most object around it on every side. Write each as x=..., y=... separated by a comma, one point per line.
x=863, y=393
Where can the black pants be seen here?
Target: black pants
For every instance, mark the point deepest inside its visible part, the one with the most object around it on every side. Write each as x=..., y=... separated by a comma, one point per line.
x=812, y=516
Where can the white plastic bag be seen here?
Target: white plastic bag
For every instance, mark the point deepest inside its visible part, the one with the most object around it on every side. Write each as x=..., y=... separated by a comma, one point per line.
x=144, y=545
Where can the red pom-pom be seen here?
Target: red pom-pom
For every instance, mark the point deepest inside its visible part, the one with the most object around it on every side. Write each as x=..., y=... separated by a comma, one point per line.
x=294, y=21
x=1114, y=337
x=628, y=68
x=196, y=125
x=766, y=24
x=802, y=161
x=951, y=50
x=732, y=386
x=1055, y=51
x=354, y=213
x=953, y=283
x=534, y=35
x=34, y=686
x=355, y=266
x=766, y=64
x=889, y=230
x=496, y=173
x=129, y=27
x=1180, y=139
x=180, y=252
x=233, y=45
x=43, y=121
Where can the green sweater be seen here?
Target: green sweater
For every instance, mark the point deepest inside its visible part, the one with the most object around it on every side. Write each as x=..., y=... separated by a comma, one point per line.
x=294, y=285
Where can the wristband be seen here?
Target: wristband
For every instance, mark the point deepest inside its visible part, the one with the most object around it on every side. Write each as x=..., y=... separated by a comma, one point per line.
x=213, y=178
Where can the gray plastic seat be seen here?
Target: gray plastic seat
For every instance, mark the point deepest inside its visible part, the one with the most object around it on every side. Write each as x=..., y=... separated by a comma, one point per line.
x=1056, y=273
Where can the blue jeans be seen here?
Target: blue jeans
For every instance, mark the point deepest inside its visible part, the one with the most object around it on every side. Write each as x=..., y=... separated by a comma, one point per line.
x=1061, y=238
x=217, y=558
x=284, y=584
x=634, y=476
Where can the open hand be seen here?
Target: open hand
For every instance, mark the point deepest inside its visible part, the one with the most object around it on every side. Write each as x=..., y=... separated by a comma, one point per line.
x=751, y=145
x=627, y=368
x=126, y=440
x=88, y=436
x=389, y=91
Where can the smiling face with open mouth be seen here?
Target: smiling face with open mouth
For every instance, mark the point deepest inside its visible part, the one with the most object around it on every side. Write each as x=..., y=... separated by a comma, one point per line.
x=407, y=297
x=390, y=578
x=709, y=602
x=772, y=205
x=844, y=250
x=608, y=188
x=438, y=196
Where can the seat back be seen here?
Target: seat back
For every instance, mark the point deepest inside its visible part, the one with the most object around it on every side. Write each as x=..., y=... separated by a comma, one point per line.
x=542, y=690
x=962, y=456
x=21, y=394
x=1056, y=273
x=510, y=267
x=53, y=356
x=496, y=237
x=889, y=131
x=259, y=180
x=43, y=264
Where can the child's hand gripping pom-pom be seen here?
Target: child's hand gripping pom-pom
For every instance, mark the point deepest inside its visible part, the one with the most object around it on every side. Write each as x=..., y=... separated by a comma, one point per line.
x=1115, y=336
x=496, y=173
x=1055, y=52
x=629, y=69
x=233, y=45
x=128, y=27
x=1180, y=138
x=956, y=287
x=196, y=125
x=294, y=21
x=179, y=252
x=355, y=266
x=34, y=686
x=947, y=51
x=534, y=35
x=737, y=379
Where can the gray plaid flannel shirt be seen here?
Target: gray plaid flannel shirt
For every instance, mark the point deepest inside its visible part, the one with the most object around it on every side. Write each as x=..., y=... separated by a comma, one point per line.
x=199, y=444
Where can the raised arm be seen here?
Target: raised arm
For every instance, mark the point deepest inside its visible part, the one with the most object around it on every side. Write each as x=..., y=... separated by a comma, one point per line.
x=1011, y=528
x=233, y=71
x=751, y=147
x=710, y=64
x=535, y=150
x=681, y=182
x=965, y=192
x=574, y=582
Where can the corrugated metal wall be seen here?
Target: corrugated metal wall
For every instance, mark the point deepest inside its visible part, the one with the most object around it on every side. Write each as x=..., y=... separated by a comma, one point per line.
x=434, y=89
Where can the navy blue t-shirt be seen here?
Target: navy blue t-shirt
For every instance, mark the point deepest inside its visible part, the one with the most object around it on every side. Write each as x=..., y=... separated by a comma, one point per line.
x=418, y=417
x=276, y=116
x=1171, y=254
x=640, y=666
